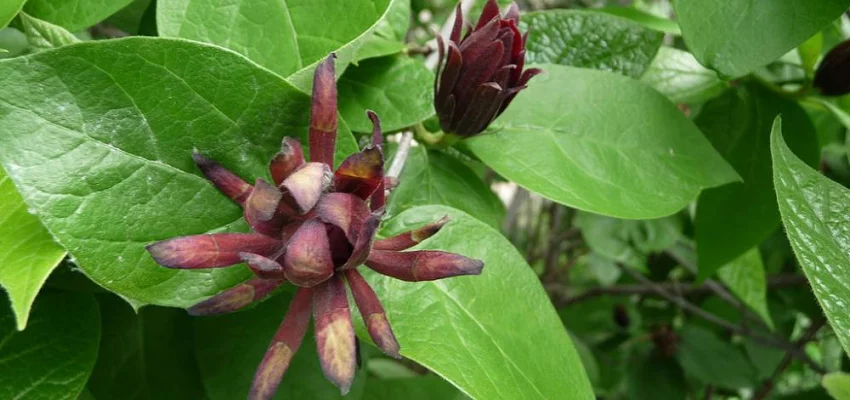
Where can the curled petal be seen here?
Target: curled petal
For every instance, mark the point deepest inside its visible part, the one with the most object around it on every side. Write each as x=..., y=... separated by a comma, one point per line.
x=237, y=297
x=323, y=121
x=305, y=186
x=308, y=261
x=210, y=251
x=290, y=158
x=373, y=313
x=227, y=182
x=334, y=333
x=361, y=173
x=263, y=267
x=490, y=11
x=411, y=238
x=261, y=209
x=513, y=13
x=346, y=211
x=364, y=243
x=285, y=343
x=425, y=265
x=377, y=134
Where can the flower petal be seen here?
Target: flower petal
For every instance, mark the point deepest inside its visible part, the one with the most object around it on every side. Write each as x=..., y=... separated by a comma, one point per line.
x=283, y=346
x=485, y=104
x=490, y=11
x=373, y=313
x=261, y=209
x=448, y=77
x=305, y=186
x=308, y=261
x=411, y=238
x=263, y=267
x=361, y=173
x=323, y=120
x=457, y=27
x=424, y=265
x=237, y=297
x=227, y=182
x=287, y=160
x=363, y=245
x=335, y=333
x=346, y=211
x=210, y=250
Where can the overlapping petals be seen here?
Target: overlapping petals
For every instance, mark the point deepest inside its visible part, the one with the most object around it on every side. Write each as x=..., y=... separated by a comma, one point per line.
x=312, y=227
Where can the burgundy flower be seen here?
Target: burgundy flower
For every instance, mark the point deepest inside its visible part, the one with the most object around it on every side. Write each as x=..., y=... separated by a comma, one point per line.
x=833, y=75
x=312, y=227
x=479, y=75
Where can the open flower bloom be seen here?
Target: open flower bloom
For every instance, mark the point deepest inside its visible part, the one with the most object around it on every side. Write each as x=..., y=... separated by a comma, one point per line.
x=479, y=75
x=312, y=227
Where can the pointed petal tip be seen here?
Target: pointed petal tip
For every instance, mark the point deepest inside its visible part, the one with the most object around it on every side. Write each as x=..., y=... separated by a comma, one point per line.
x=382, y=334
x=236, y=298
x=270, y=371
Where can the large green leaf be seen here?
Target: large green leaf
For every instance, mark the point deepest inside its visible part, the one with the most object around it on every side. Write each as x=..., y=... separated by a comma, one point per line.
x=8, y=10
x=74, y=15
x=736, y=37
x=838, y=385
x=814, y=211
x=644, y=18
x=149, y=355
x=609, y=145
x=390, y=34
x=418, y=388
x=53, y=358
x=494, y=336
x=679, y=76
x=434, y=177
x=745, y=277
x=230, y=347
x=731, y=219
x=27, y=252
x=43, y=35
x=399, y=89
x=98, y=137
x=589, y=40
x=283, y=36
x=713, y=361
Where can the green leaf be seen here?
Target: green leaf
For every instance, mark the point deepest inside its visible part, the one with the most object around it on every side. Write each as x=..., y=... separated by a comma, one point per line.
x=145, y=356
x=74, y=15
x=589, y=40
x=494, y=336
x=628, y=241
x=53, y=358
x=713, y=361
x=584, y=148
x=745, y=277
x=680, y=77
x=736, y=37
x=646, y=19
x=399, y=89
x=27, y=252
x=841, y=115
x=98, y=137
x=810, y=52
x=653, y=376
x=434, y=177
x=813, y=211
x=419, y=388
x=230, y=347
x=287, y=37
x=732, y=219
x=8, y=10
x=43, y=35
x=390, y=34
x=837, y=384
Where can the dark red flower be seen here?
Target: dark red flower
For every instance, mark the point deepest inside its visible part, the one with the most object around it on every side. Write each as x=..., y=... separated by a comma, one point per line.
x=479, y=75
x=313, y=228
x=833, y=74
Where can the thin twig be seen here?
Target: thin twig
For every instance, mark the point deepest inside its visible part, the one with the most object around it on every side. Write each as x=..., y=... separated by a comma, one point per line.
x=771, y=341
x=400, y=155
x=769, y=384
x=773, y=282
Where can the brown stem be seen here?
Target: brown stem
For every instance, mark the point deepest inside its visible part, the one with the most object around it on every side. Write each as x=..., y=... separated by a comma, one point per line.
x=808, y=335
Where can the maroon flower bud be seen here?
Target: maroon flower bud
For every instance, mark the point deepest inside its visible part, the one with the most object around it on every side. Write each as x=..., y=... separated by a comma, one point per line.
x=313, y=229
x=833, y=75
x=479, y=75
